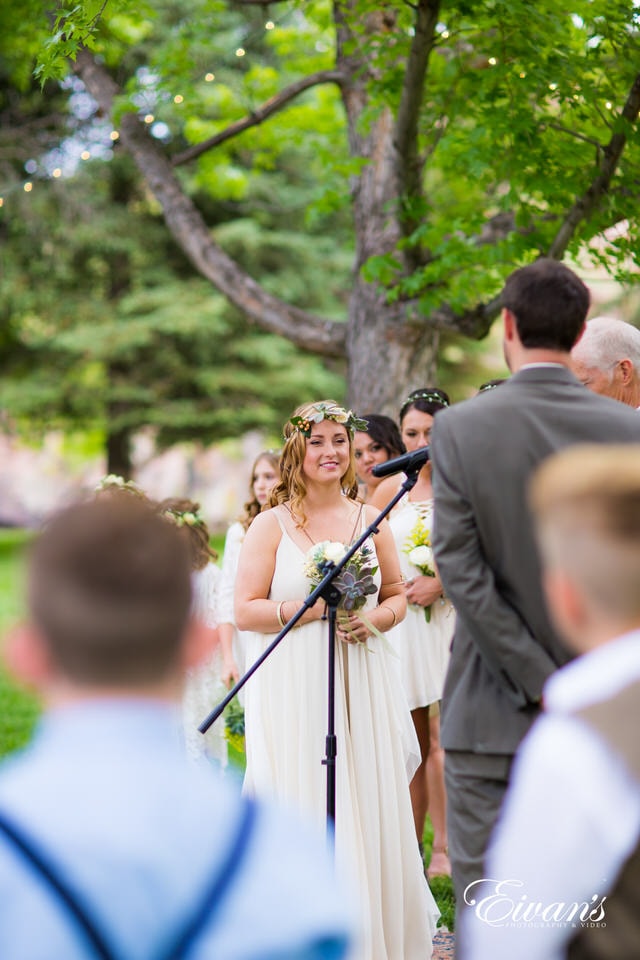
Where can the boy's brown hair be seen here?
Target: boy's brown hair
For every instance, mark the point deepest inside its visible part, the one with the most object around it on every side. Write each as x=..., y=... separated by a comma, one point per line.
x=586, y=504
x=109, y=589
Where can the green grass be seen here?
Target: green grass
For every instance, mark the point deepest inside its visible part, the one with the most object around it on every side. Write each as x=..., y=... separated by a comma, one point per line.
x=441, y=887
x=19, y=709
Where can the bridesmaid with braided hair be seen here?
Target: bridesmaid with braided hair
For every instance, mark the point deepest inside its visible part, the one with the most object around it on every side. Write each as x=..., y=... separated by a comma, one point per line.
x=264, y=473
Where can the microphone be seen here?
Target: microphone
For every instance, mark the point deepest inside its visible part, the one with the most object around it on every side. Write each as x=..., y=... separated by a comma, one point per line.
x=407, y=463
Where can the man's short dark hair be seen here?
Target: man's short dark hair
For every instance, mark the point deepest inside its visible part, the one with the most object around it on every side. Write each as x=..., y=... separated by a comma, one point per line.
x=549, y=302
x=109, y=589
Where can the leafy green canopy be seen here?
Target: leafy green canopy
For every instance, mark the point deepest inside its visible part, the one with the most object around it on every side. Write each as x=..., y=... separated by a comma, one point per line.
x=105, y=324
x=521, y=104
x=527, y=135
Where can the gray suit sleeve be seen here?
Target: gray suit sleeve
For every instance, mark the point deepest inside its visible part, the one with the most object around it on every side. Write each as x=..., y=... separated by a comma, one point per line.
x=507, y=647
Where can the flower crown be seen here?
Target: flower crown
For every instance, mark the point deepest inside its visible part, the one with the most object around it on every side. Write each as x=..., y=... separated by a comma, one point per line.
x=182, y=518
x=430, y=396
x=114, y=480
x=324, y=411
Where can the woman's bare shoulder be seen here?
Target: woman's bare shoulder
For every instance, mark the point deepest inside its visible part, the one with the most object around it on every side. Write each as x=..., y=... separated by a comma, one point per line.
x=266, y=524
x=385, y=491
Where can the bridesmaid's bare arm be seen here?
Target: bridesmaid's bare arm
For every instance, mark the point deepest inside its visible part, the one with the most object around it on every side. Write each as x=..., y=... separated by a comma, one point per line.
x=256, y=566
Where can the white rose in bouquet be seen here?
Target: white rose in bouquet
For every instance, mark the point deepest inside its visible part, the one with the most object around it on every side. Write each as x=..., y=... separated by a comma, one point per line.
x=333, y=550
x=421, y=556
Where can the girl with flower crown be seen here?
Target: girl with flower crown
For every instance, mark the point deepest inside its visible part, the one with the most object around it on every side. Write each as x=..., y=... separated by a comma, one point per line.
x=264, y=473
x=315, y=513
x=423, y=639
x=203, y=687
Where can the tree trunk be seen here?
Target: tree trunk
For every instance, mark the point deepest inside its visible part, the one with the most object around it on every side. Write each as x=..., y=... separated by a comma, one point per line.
x=388, y=355
x=391, y=349
x=119, y=452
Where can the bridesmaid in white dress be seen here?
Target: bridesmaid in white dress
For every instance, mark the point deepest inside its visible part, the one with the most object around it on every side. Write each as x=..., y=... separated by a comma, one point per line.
x=203, y=687
x=264, y=473
x=423, y=639
x=286, y=701
x=378, y=442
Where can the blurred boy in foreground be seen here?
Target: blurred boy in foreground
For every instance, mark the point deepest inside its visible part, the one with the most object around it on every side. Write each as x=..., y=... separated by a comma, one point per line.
x=563, y=872
x=113, y=844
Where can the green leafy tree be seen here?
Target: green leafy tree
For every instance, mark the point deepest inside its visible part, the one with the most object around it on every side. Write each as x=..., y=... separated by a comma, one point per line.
x=464, y=139
x=112, y=329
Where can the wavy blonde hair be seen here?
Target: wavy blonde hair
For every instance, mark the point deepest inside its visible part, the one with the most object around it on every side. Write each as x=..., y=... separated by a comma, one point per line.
x=291, y=486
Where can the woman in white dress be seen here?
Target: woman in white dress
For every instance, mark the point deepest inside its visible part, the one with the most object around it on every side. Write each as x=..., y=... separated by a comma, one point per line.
x=264, y=473
x=423, y=640
x=286, y=701
x=203, y=687
x=378, y=442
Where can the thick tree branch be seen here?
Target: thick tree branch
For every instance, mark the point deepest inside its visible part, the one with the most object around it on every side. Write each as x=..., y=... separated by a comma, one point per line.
x=406, y=129
x=474, y=323
x=588, y=202
x=268, y=108
x=306, y=330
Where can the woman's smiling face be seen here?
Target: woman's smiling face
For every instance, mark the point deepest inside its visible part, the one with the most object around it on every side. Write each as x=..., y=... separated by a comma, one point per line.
x=327, y=453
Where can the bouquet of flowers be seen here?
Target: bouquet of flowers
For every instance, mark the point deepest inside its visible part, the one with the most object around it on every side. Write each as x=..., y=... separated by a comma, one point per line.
x=419, y=553
x=355, y=582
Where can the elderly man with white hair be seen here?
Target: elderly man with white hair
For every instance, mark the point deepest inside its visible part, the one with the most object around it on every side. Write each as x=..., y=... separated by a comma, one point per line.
x=607, y=359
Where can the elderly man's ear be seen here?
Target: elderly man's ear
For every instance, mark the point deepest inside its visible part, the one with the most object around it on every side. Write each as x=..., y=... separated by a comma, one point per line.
x=626, y=371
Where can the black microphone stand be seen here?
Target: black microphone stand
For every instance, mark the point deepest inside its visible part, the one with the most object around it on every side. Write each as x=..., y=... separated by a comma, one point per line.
x=331, y=595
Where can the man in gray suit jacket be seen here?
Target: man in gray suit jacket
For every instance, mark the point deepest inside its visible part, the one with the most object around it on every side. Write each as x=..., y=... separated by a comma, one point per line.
x=483, y=452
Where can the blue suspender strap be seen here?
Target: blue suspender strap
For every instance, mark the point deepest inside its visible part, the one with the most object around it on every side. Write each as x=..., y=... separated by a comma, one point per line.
x=70, y=899
x=209, y=906
x=220, y=884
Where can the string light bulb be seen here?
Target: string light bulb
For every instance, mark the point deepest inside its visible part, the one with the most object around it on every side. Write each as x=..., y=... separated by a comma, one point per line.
x=209, y=77
x=85, y=155
x=114, y=135
x=178, y=98
x=269, y=25
x=240, y=52
x=28, y=187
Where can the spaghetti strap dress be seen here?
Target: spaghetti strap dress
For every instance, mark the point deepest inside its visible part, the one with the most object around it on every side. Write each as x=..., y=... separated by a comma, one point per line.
x=423, y=648
x=377, y=753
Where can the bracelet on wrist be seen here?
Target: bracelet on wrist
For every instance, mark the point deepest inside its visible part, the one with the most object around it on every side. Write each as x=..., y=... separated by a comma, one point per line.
x=279, y=615
x=393, y=614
